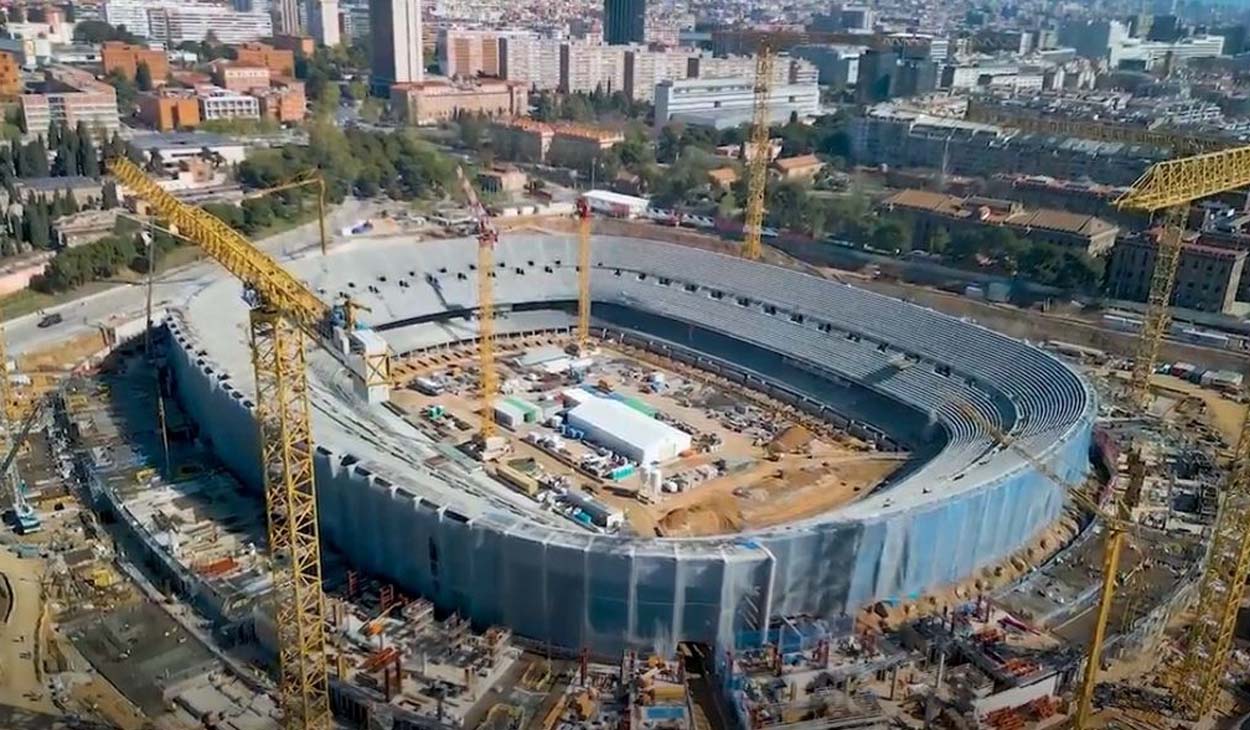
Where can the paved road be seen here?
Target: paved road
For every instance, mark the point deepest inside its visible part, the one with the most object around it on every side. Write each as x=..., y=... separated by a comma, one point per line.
x=128, y=300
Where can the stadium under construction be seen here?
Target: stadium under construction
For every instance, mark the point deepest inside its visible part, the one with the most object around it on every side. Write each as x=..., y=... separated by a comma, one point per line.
x=578, y=570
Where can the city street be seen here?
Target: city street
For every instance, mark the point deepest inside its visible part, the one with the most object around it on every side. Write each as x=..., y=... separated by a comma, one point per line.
x=128, y=300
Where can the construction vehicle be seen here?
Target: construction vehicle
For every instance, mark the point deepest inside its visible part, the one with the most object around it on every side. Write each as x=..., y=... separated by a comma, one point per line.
x=308, y=178
x=25, y=517
x=283, y=312
x=488, y=443
x=1117, y=525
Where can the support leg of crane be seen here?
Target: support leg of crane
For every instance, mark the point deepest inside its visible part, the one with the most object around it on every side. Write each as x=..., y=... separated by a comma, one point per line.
x=282, y=410
x=757, y=164
x=1199, y=678
x=1155, y=321
x=583, y=280
x=486, y=335
x=1110, y=568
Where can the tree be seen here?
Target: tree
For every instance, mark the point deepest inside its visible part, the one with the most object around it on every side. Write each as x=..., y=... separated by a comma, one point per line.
x=472, y=131
x=257, y=214
x=88, y=157
x=97, y=31
x=669, y=145
x=127, y=92
x=34, y=159
x=109, y=196
x=889, y=235
x=371, y=110
x=357, y=90
x=546, y=107
x=143, y=76
x=939, y=240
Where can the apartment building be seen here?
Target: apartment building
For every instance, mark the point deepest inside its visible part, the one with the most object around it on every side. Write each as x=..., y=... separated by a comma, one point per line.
x=837, y=66
x=645, y=68
x=217, y=103
x=580, y=146
x=397, y=43
x=575, y=146
x=284, y=102
x=432, y=102
x=170, y=109
x=586, y=67
x=279, y=61
x=10, y=76
x=786, y=70
x=1207, y=277
x=132, y=14
x=903, y=138
x=521, y=139
x=726, y=103
x=530, y=60
x=125, y=58
x=323, y=21
x=70, y=95
x=235, y=76
x=470, y=53
x=181, y=22
x=929, y=211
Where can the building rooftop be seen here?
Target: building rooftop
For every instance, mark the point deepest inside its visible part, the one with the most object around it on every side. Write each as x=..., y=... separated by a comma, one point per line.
x=800, y=162
x=993, y=210
x=51, y=184
x=165, y=140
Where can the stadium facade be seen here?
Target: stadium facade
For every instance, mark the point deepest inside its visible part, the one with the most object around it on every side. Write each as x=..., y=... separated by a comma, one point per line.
x=419, y=513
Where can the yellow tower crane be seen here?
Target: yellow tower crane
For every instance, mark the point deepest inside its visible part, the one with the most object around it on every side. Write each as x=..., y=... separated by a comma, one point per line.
x=1117, y=525
x=583, y=274
x=1166, y=188
x=283, y=312
x=757, y=152
x=487, y=237
x=309, y=178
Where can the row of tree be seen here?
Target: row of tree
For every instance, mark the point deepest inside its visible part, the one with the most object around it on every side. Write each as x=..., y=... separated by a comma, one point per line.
x=102, y=259
x=1001, y=249
x=598, y=105
x=74, y=153
x=356, y=161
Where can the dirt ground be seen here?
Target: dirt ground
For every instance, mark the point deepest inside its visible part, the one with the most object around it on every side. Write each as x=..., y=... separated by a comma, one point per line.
x=1222, y=414
x=764, y=492
x=64, y=354
x=20, y=681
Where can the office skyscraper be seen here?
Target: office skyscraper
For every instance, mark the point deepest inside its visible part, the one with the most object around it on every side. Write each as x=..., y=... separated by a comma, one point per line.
x=286, y=17
x=395, y=29
x=323, y=21
x=624, y=22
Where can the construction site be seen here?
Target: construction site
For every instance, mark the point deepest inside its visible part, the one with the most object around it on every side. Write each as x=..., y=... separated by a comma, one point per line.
x=576, y=479
x=675, y=451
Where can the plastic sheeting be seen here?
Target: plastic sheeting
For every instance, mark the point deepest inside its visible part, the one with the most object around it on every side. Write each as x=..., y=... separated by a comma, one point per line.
x=575, y=589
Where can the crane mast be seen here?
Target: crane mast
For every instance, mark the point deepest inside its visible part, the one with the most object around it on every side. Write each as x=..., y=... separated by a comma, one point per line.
x=283, y=312
x=487, y=237
x=1117, y=528
x=1171, y=186
x=757, y=161
x=583, y=274
x=25, y=519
